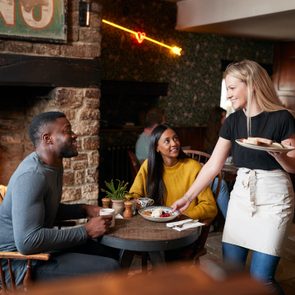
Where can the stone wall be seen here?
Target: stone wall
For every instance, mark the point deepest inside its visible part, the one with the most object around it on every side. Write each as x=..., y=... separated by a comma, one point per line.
x=81, y=105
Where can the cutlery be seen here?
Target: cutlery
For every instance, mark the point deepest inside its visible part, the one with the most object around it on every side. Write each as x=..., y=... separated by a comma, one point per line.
x=191, y=224
x=181, y=222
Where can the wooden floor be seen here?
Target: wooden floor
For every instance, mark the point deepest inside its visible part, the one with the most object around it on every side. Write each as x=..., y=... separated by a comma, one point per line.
x=286, y=270
x=285, y=273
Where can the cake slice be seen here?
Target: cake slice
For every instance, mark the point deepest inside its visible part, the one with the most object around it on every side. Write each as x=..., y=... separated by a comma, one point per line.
x=258, y=141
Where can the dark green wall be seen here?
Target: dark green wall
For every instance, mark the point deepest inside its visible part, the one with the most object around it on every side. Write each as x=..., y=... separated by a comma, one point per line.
x=194, y=78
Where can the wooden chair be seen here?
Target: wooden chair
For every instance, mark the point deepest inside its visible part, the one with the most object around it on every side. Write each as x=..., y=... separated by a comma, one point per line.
x=9, y=256
x=202, y=158
x=134, y=163
x=200, y=248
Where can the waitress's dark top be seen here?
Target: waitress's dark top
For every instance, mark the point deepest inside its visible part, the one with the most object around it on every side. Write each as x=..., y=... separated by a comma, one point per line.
x=277, y=126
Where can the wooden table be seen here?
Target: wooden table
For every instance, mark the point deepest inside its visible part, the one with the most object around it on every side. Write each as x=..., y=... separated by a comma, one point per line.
x=153, y=238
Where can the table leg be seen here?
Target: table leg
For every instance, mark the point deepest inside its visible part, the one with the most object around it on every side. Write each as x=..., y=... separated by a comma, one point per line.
x=157, y=257
x=125, y=258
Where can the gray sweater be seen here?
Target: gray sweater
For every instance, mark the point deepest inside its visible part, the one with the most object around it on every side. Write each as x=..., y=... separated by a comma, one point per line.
x=30, y=209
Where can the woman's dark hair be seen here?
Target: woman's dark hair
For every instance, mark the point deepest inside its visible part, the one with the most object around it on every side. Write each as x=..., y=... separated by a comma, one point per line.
x=155, y=185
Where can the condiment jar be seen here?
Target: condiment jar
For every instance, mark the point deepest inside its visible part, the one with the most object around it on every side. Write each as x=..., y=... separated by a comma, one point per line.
x=128, y=209
x=105, y=202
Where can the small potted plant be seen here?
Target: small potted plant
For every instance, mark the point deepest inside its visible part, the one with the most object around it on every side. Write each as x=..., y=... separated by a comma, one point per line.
x=116, y=191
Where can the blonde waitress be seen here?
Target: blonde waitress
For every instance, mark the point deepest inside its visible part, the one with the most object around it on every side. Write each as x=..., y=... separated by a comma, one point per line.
x=261, y=204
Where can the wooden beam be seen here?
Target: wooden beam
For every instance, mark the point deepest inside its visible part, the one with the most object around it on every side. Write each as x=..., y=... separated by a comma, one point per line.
x=25, y=70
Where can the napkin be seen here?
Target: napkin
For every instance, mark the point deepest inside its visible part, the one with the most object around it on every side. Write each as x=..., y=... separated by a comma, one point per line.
x=178, y=223
x=188, y=225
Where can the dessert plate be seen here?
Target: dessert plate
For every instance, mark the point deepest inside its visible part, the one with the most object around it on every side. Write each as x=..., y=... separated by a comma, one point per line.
x=274, y=147
x=167, y=216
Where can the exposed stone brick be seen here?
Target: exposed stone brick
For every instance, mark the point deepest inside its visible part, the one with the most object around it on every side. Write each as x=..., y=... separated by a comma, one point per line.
x=73, y=19
x=73, y=34
x=2, y=45
x=89, y=36
x=90, y=188
x=73, y=6
x=92, y=93
x=79, y=165
x=81, y=157
x=81, y=107
x=91, y=175
x=93, y=159
x=71, y=115
x=89, y=127
x=92, y=103
x=91, y=197
x=96, y=7
x=90, y=143
x=72, y=98
x=19, y=47
x=68, y=178
x=46, y=49
x=67, y=163
x=71, y=194
x=93, y=50
x=79, y=177
x=89, y=114
x=74, y=51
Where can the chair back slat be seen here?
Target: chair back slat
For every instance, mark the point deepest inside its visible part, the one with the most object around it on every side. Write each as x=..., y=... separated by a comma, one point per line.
x=11, y=274
x=2, y=278
x=135, y=165
x=202, y=158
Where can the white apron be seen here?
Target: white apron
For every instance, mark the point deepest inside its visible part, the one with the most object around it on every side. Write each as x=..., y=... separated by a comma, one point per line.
x=260, y=210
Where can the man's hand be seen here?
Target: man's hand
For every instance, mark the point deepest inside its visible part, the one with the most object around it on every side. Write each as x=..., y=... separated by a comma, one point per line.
x=97, y=226
x=181, y=204
x=91, y=210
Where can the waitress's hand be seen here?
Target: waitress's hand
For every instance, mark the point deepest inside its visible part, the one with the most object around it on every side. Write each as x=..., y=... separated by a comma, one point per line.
x=181, y=204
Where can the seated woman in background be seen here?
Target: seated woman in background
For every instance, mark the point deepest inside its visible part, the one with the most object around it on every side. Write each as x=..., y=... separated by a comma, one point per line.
x=168, y=173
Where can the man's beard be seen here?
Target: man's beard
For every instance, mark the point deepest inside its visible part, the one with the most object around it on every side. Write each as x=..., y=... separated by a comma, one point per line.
x=68, y=152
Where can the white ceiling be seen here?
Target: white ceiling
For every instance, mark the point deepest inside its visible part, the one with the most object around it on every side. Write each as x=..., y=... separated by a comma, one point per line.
x=264, y=19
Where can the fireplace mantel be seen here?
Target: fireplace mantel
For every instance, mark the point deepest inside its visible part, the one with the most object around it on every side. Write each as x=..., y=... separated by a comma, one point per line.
x=28, y=70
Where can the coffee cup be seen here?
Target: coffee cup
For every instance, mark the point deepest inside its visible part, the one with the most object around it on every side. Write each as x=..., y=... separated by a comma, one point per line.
x=108, y=213
x=144, y=202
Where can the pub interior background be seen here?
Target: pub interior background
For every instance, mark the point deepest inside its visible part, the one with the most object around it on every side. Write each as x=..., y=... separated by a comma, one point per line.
x=119, y=81
x=193, y=80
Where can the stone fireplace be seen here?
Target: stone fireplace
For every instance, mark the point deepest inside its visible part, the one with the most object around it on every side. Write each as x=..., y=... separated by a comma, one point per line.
x=37, y=77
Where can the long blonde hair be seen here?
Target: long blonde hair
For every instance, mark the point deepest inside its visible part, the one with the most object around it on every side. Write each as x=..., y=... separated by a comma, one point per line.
x=260, y=88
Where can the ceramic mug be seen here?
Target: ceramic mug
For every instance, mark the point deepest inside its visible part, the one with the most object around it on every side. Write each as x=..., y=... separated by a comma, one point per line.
x=108, y=212
x=144, y=202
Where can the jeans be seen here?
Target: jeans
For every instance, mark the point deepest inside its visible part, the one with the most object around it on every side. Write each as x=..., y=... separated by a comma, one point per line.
x=263, y=266
x=90, y=258
x=223, y=196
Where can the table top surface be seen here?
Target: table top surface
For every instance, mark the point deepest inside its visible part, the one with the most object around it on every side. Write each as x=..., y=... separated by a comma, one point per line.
x=139, y=234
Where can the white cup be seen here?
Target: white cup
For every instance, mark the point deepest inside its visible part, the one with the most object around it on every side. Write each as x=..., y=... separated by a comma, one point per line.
x=144, y=202
x=108, y=212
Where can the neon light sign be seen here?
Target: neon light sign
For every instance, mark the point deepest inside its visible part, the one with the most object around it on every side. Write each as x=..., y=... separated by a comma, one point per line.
x=141, y=36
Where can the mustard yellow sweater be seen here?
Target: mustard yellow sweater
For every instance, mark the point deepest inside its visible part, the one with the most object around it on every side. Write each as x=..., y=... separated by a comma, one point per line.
x=177, y=180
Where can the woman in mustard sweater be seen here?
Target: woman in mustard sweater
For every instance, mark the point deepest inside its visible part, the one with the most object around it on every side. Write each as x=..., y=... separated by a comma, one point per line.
x=168, y=173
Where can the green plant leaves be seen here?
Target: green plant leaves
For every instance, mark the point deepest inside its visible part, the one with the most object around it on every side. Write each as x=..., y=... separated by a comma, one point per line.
x=116, y=191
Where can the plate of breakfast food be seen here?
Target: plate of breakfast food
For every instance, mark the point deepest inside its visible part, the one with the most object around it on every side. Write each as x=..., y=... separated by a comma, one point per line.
x=158, y=213
x=264, y=144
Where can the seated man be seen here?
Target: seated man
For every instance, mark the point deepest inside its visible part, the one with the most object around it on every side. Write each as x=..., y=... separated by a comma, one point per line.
x=153, y=117
x=32, y=206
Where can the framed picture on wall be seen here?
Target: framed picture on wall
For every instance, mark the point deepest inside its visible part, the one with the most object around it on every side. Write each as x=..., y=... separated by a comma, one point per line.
x=33, y=19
